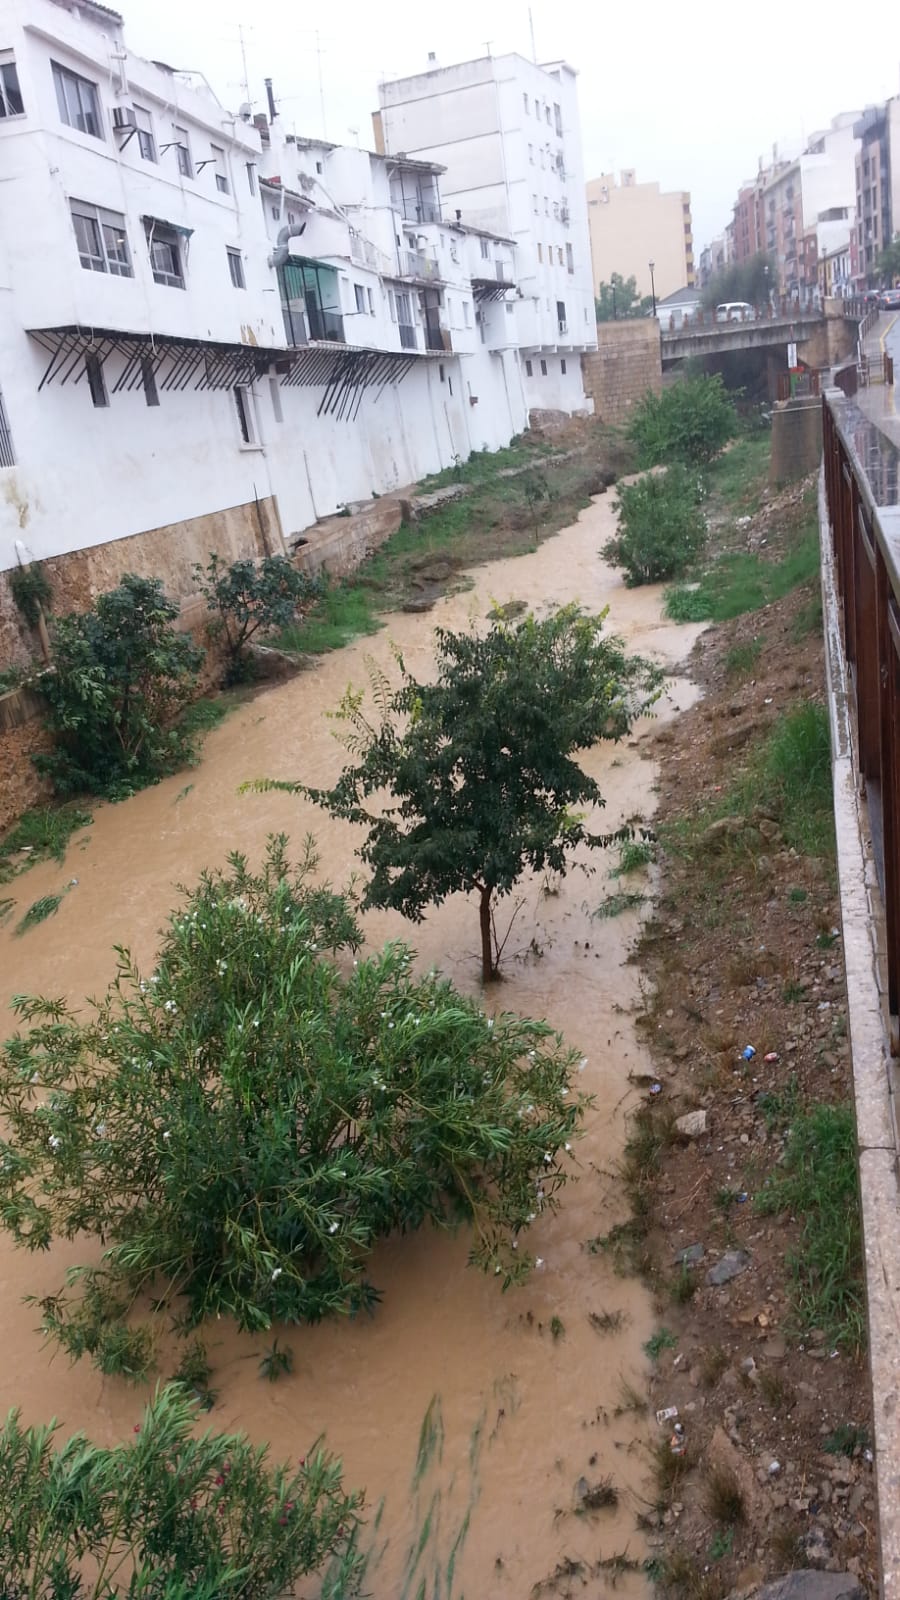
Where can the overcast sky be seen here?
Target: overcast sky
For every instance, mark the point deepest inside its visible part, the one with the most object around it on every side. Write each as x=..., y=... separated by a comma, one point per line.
x=691, y=95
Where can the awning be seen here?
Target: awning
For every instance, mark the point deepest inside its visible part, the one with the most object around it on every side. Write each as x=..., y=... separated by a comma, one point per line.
x=176, y=363
x=176, y=227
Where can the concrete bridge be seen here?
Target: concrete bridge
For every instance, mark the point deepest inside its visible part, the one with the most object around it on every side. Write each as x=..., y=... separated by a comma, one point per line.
x=706, y=337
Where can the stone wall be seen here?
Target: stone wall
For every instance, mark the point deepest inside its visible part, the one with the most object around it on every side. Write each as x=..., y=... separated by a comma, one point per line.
x=627, y=362
x=337, y=545
x=796, y=440
x=170, y=553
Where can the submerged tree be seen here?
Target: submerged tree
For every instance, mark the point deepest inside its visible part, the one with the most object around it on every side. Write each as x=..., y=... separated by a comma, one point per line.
x=242, y=1127
x=249, y=597
x=480, y=766
x=169, y=1514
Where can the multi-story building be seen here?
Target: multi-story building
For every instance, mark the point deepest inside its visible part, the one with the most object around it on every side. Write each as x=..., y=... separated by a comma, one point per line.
x=633, y=224
x=748, y=230
x=713, y=259
x=507, y=134
x=212, y=334
x=808, y=205
x=877, y=188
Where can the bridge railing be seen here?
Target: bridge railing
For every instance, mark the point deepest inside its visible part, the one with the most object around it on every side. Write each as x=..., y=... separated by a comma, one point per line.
x=861, y=487
x=778, y=310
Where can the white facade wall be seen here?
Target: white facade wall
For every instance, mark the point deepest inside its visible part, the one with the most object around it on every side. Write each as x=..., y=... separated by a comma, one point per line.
x=86, y=474
x=508, y=133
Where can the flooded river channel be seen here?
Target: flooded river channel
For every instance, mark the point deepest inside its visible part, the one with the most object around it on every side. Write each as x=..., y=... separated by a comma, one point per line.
x=521, y=1415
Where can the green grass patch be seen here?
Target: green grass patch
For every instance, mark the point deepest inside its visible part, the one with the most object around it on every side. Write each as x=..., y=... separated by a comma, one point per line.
x=817, y=1184
x=736, y=478
x=204, y=715
x=738, y=582
x=662, y=1339
x=617, y=904
x=787, y=776
x=808, y=619
x=483, y=465
x=634, y=856
x=344, y=612
x=742, y=658
x=44, y=833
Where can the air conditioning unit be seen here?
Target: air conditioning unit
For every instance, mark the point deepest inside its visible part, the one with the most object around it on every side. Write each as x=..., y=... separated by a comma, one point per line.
x=123, y=119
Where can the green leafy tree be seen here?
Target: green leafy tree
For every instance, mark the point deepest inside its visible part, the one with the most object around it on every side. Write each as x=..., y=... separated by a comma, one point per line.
x=620, y=298
x=480, y=765
x=30, y=589
x=249, y=597
x=749, y=280
x=662, y=529
x=122, y=679
x=689, y=422
x=168, y=1514
x=244, y=1126
x=889, y=261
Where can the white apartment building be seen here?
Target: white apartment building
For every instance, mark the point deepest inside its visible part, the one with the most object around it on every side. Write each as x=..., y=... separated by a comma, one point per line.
x=211, y=333
x=506, y=131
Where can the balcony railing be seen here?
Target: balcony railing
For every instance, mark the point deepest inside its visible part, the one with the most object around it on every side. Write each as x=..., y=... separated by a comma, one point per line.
x=325, y=325
x=421, y=211
x=436, y=337
x=408, y=340
x=415, y=264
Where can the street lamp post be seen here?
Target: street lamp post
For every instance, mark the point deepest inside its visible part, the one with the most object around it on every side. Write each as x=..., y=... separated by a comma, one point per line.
x=653, y=287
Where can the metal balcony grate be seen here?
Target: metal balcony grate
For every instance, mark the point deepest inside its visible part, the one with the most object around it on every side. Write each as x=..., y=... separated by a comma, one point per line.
x=7, y=453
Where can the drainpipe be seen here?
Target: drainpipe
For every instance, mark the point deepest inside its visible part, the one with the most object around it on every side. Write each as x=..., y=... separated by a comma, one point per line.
x=281, y=252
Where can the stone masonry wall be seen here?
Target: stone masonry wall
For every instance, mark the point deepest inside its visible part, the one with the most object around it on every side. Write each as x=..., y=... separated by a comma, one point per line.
x=627, y=362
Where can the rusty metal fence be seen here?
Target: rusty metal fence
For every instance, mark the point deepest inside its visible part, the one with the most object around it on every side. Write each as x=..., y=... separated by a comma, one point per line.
x=868, y=581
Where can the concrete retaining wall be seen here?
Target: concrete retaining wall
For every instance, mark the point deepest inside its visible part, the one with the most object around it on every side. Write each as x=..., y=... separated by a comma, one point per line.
x=626, y=363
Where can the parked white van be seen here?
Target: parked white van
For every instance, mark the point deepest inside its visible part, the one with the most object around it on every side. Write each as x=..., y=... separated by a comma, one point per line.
x=735, y=311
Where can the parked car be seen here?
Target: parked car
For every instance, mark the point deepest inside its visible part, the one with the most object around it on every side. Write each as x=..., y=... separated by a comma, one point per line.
x=889, y=300
x=735, y=311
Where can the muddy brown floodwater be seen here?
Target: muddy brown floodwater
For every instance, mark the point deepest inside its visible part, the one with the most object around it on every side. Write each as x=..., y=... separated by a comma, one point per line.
x=521, y=1415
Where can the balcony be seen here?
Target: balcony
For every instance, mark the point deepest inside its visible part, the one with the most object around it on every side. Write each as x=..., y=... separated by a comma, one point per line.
x=408, y=340
x=436, y=337
x=420, y=211
x=415, y=264
x=325, y=325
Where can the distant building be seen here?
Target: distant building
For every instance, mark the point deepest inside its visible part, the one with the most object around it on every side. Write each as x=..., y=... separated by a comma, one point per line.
x=678, y=308
x=506, y=132
x=809, y=206
x=635, y=223
x=713, y=259
x=877, y=188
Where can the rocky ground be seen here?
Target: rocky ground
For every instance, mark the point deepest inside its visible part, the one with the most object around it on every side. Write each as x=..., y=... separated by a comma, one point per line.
x=746, y=1016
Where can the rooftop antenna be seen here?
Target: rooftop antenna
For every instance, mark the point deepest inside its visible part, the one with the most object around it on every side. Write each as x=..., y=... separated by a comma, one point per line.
x=487, y=46
x=245, y=82
x=531, y=31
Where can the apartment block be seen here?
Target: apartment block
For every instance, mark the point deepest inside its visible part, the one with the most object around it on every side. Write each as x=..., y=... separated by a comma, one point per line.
x=635, y=223
x=877, y=188
x=809, y=206
x=507, y=135
x=213, y=333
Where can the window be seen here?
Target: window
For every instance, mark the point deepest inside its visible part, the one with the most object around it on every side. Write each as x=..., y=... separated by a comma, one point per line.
x=559, y=255
x=236, y=267
x=528, y=370
x=531, y=154
x=146, y=141
x=561, y=314
x=7, y=453
x=243, y=403
x=557, y=121
x=93, y=367
x=183, y=153
x=276, y=212
x=534, y=204
x=392, y=305
x=442, y=374
x=78, y=101
x=275, y=397
x=10, y=95
x=371, y=302
x=547, y=115
x=360, y=297
x=562, y=368
x=525, y=101
x=165, y=254
x=101, y=239
x=543, y=369
x=251, y=176
x=319, y=168
x=556, y=210
x=546, y=206
x=485, y=250
x=465, y=306
x=540, y=251
x=218, y=155
x=570, y=259
x=148, y=379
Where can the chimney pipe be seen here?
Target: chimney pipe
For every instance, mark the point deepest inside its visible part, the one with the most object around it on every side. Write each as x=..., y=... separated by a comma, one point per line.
x=271, y=99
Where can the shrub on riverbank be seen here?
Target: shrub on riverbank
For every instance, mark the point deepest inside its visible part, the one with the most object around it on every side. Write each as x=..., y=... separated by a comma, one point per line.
x=689, y=422
x=662, y=530
x=168, y=1514
x=122, y=679
x=241, y=1128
